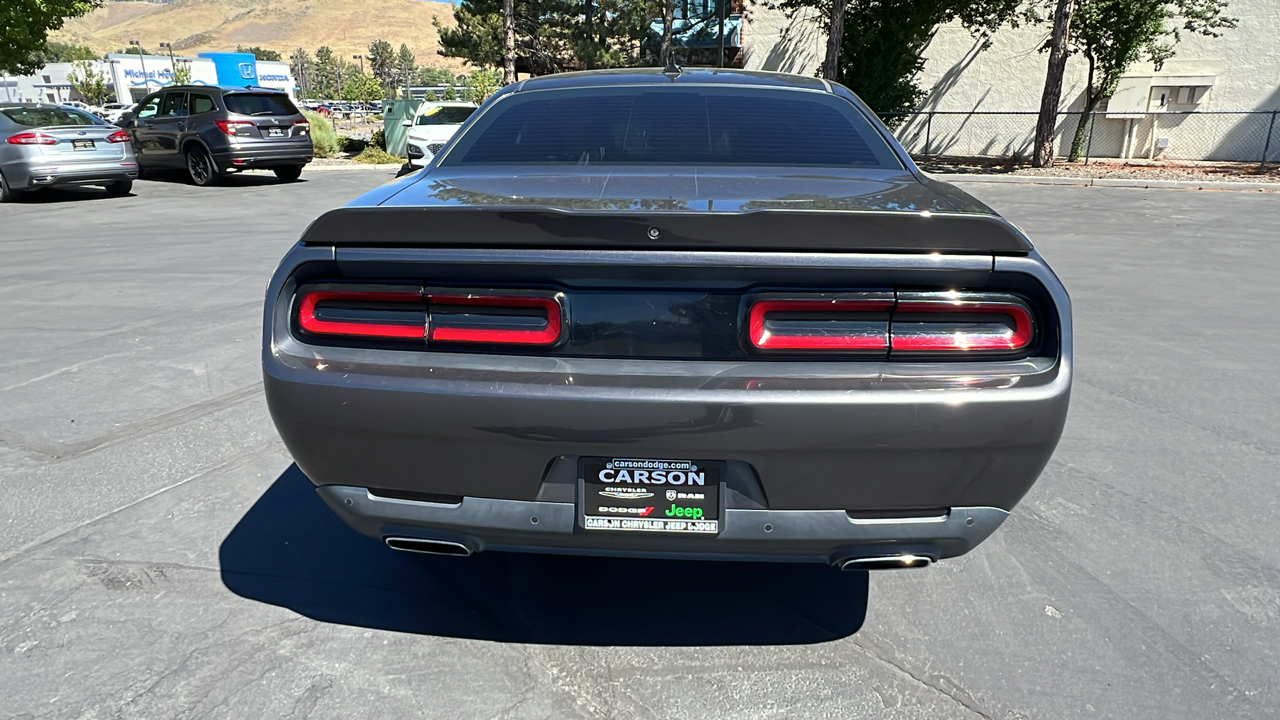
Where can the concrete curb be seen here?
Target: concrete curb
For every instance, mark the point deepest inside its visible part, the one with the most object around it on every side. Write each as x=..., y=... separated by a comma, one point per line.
x=1107, y=182
x=352, y=166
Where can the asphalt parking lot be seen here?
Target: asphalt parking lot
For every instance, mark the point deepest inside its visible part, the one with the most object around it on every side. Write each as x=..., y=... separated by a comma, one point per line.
x=160, y=557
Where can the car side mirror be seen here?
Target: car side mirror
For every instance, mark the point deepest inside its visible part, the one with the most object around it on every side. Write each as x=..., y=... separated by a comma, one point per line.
x=406, y=123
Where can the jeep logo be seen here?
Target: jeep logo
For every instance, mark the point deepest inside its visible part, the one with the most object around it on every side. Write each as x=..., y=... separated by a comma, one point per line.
x=685, y=512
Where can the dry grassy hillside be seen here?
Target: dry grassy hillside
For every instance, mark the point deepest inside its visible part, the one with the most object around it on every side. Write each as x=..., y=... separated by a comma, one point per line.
x=347, y=26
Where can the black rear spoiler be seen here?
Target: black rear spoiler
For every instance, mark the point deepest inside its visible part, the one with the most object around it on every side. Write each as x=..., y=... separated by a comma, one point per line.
x=761, y=230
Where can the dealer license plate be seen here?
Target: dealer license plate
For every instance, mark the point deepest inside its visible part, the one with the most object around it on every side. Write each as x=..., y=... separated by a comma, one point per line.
x=658, y=496
x=82, y=145
x=275, y=132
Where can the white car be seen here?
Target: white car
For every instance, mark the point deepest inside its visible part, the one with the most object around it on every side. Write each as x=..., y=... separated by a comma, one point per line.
x=111, y=112
x=432, y=126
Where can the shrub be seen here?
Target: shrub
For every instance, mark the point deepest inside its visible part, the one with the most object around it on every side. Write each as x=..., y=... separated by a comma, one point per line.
x=323, y=138
x=374, y=156
x=379, y=139
x=351, y=144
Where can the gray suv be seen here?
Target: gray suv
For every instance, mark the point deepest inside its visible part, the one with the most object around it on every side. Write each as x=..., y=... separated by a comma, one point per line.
x=212, y=131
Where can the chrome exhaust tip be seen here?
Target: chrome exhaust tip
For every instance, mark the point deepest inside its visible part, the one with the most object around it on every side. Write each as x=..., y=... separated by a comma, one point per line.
x=888, y=562
x=431, y=547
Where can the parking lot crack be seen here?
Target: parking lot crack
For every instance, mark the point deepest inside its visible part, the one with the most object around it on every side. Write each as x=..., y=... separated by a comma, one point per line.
x=942, y=684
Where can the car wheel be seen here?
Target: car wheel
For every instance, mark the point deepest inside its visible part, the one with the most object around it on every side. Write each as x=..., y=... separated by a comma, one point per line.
x=289, y=173
x=8, y=194
x=200, y=167
x=120, y=188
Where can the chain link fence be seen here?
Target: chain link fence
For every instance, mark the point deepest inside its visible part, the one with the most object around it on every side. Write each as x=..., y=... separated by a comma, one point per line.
x=1245, y=136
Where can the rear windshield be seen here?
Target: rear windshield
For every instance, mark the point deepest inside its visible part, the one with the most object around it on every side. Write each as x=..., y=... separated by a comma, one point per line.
x=49, y=116
x=667, y=125
x=260, y=104
x=445, y=116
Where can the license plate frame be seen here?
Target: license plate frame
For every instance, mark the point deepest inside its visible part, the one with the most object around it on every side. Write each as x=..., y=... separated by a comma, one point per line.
x=275, y=132
x=83, y=145
x=634, y=495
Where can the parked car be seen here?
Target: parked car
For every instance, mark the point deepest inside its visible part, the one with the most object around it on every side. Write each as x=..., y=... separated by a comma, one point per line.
x=212, y=131
x=50, y=145
x=111, y=112
x=621, y=314
x=432, y=126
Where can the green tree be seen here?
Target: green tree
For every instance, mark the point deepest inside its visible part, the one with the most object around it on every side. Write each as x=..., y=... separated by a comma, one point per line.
x=182, y=73
x=55, y=51
x=303, y=69
x=89, y=81
x=260, y=53
x=361, y=87
x=1115, y=34
x=133, y=50
x=481, y=84
x=434, y=76
x=406, y=64
x=382, y=62
x=450, y=95
x=327, y=69
x=25, y=26
x=882, y=47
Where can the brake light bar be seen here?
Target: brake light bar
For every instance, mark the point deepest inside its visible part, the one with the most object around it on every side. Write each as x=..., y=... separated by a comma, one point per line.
x=494, y=318
x=847, y=322
x=903, y=324
x=310, y=317
x=31, y=138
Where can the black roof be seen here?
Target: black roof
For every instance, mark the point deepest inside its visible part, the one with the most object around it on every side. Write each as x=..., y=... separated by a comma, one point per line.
x=655, y=76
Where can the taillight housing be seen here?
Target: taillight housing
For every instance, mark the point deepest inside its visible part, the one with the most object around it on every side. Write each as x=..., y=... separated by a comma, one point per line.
x=119, y=136
x=235, y=128
x=301, y=127
x=446, y=317
x=31, y=138
x=897, y=325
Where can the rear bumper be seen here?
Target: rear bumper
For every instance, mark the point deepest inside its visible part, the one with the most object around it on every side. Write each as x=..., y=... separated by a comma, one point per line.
x=29, y=176
x=804, y=442
x=791, y=535
x=263, y=155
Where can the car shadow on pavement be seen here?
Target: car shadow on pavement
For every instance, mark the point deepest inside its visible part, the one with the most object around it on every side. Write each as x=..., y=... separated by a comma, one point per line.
x=70, y=193
x=290, y=550
x=179, y=177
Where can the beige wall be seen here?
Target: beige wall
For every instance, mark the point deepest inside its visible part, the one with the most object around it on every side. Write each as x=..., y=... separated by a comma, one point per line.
x=961, y=75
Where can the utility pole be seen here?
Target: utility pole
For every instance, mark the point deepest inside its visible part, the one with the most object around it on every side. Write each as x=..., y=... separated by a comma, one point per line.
x=720, y=55
x=173, y=66
x=361, y=59
x=1043, y=157
x=146, y=79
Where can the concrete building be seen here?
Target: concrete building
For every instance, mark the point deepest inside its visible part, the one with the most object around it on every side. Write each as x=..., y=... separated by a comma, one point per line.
x=1214, y=100
x=131, y=77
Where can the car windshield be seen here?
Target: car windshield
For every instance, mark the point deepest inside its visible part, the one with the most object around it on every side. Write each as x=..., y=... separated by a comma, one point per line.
x=668, y=125
x=444, y=115
x=260, y=104
x=49, y=116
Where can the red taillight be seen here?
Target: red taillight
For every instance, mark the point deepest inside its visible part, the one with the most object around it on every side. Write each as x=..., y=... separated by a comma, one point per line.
x=839, y=323
x=371, y=327
x=31, y=138
x=496, y=319
x=960, y=322
x=233, y=127
x=119, y=136
x=301, y=126
x=905, y=324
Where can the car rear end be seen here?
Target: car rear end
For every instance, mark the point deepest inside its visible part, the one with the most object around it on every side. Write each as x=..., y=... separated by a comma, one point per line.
x=660, y=366
x=49, y=145
x=258, y=129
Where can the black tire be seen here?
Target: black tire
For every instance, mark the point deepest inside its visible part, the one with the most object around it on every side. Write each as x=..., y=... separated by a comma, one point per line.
x=8, y=194
x=120, y=188
x=200, y=167
x=288, y=173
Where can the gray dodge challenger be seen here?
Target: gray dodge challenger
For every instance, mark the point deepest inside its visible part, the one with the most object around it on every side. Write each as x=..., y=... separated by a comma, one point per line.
x=679, y=314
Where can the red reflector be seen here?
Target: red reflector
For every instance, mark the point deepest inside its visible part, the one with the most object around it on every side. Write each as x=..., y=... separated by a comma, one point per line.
x=31, y=138
x=543, y=336
x=309, y=322
x=118, y=136
x=870, y=337
x=985, y=326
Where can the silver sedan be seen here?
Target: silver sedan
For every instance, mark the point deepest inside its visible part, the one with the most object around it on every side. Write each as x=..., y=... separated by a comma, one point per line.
x=46, y=145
